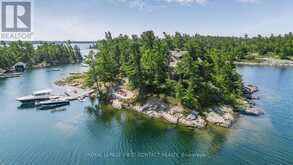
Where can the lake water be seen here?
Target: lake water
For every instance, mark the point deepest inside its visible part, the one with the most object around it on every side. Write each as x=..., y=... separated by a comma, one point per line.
x=83, y=134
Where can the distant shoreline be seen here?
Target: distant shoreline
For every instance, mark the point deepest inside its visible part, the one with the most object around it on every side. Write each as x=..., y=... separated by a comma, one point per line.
x=267, y=62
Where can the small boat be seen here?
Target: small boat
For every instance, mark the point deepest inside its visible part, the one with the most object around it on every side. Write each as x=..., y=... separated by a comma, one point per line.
x=44, y=105
x=84, y=65
x=56, y=70
x=53, y=70
x=9, y=75
x=36, y=96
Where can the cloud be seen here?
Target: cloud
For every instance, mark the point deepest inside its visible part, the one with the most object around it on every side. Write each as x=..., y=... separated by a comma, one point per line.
x=141, y=4
x=248, y=1
x=134, y=3
x=188, y=1
x=206, y=1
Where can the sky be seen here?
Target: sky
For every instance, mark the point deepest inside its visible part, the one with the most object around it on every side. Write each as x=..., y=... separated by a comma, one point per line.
x=89, y=19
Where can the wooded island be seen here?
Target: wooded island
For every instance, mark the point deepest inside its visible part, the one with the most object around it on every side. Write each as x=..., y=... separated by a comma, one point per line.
x=43, y=55
x=184, y=79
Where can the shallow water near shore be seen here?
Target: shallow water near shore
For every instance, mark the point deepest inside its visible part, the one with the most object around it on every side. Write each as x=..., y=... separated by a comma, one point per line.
x=82, y=133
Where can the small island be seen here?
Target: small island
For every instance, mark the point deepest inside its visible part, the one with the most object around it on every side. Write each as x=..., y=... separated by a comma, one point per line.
x=172, y=78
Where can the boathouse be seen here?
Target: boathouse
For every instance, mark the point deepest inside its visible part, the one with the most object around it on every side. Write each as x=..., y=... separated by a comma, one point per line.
x=20, y=67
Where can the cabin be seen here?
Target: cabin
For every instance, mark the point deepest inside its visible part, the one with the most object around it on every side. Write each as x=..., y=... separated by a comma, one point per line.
x=20, y=67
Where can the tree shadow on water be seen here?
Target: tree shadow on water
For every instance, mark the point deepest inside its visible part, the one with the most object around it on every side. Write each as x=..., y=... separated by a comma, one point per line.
x=194, y=144
x=218, y=139
x=143, y=134
x=104, y=113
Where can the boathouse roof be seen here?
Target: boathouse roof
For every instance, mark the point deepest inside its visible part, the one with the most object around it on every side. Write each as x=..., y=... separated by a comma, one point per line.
x=20, y=64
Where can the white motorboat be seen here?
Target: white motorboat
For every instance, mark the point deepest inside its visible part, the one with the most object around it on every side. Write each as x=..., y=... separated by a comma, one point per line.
x=36, y=96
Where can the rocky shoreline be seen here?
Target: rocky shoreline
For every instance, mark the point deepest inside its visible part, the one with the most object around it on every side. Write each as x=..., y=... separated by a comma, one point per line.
x=267, y=62
x=154, y=107
x=223, y=116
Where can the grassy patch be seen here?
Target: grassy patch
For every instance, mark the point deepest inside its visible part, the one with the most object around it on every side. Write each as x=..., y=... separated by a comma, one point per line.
x=73, y=80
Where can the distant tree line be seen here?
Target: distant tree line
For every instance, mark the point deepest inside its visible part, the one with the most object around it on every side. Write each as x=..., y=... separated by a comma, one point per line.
x=278, y=46
x=204, y=76
x=49, y=53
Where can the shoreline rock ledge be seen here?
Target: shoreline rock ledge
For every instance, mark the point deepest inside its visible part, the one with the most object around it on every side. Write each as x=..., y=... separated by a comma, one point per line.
x=251, y=109
x=156, y=108
x=223, y=116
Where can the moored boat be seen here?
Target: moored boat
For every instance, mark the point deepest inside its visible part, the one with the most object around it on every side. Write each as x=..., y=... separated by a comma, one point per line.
x=9, y=75
x=36, y=96
x=49, y=104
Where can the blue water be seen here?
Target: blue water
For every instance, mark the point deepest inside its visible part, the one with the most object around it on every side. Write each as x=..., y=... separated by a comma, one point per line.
x=85, y=134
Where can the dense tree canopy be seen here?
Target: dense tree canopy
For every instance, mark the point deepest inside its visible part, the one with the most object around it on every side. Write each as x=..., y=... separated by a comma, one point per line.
x=52, y=54
x=241, y=47
x=204, y=76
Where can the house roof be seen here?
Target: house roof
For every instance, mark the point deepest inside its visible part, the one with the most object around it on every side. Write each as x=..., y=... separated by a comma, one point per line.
x=20, y=63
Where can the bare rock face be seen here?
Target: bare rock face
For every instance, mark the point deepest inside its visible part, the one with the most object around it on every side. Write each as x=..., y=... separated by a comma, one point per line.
x=153, y=114
x=222, y=116
x=136, y=108
x=117, y=104
x=217, y=119
x=249, y=92
x=172, y=118
x=191, y=117
x=176, y=109
x=253, y=111
x=250, y=89
x=197, y=122
x=156, y=108
x=154, y=104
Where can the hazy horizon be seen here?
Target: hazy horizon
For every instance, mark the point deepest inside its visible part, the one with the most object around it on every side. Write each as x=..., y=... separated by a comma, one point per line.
x=159, y=35
x=77, y=20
